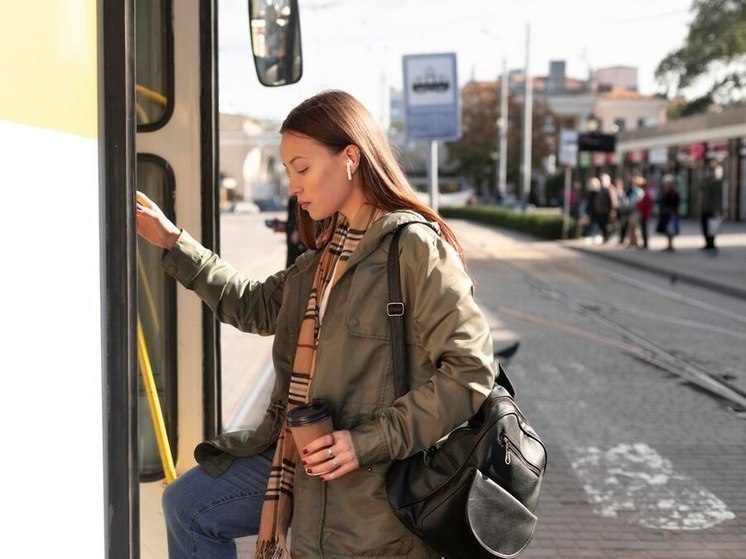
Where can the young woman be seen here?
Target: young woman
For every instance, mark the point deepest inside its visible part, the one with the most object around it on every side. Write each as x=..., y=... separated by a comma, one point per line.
x=332, y=341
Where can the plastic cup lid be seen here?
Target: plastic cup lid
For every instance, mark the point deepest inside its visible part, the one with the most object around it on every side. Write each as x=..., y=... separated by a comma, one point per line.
x=313, y=411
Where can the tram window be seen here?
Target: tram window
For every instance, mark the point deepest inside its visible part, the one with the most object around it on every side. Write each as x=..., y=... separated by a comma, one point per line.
x=156, y=311
x=275, y=41
x=154, y=63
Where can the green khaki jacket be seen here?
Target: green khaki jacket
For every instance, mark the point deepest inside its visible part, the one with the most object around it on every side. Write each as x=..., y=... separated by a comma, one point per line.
x=450, y=360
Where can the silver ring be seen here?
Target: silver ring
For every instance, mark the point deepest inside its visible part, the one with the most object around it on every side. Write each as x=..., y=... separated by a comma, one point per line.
x=334, y=463
x=329, y=450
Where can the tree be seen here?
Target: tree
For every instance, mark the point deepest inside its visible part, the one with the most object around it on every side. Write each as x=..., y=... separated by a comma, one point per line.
x=476, y=151
x=713, y=56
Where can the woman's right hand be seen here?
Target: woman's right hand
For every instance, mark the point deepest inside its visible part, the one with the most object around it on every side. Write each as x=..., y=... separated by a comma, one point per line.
x=153, y=225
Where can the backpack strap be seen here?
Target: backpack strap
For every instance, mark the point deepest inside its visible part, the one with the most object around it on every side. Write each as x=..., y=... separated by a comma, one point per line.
x=503, y=380
x=395, y=310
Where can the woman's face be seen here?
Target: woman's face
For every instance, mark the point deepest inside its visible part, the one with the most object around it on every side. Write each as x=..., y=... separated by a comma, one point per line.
x=318, y=178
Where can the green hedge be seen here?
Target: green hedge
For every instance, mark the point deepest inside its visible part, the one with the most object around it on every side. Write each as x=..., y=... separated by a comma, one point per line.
x=541, y=224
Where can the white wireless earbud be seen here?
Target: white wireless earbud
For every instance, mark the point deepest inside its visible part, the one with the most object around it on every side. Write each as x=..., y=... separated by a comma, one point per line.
x=348, y=163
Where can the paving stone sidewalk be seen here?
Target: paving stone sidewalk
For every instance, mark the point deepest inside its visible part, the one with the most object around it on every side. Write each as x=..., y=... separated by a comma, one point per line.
x=723, y=270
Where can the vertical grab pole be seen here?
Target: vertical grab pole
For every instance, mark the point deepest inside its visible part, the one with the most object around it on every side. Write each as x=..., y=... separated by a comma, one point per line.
x=159, y=425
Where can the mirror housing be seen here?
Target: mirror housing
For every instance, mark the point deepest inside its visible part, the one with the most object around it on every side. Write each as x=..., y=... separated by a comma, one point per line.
x=274, y=26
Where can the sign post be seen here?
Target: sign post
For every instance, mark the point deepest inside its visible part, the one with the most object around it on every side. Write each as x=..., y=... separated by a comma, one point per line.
x=431, y=105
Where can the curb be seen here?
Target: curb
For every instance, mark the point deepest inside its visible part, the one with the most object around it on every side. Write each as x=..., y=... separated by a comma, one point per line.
x=667, y=273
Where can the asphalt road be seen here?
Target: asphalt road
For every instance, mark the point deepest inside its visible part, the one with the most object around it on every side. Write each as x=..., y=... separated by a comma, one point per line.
x=632, y=383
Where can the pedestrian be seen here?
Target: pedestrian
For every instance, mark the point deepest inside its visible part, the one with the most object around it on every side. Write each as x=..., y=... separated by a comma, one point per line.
x=643, y=209
x=668, y=213
x=332, y=340
x=605, y=206
x=633, y=219
x=711, y=204
x=576, y=199
x=625, y=206
x=590, y=214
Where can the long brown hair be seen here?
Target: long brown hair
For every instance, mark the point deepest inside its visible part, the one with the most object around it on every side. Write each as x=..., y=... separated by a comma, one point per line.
x=336, y=119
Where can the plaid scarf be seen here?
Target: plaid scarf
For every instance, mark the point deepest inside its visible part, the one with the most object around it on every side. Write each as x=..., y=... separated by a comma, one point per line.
x=278, y=499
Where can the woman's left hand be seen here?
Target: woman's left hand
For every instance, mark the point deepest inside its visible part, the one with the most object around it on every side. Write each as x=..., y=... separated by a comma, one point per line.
x=330, y=456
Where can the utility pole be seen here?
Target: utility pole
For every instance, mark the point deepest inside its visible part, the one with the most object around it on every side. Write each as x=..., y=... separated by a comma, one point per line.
x=527, y=125
x=502, y=186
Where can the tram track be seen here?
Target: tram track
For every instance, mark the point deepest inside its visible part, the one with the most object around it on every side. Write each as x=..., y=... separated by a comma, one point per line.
x=675, y=296
x=633, y=343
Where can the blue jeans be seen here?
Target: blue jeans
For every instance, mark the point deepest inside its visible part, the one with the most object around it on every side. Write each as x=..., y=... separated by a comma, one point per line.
x=204, y=515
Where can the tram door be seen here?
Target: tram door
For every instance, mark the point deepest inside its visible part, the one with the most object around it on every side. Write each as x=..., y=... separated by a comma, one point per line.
x=175, y=166
x=176, y=48
x=154, y=94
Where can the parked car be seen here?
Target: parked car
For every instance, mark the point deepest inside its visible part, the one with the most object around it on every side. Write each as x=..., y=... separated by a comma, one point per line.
x=452, y=191
x=244, y=207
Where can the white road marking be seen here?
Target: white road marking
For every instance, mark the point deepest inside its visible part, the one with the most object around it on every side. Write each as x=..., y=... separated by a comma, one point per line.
x=642, y=485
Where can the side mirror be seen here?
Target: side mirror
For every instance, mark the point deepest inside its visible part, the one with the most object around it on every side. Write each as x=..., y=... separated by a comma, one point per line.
x=275, y=41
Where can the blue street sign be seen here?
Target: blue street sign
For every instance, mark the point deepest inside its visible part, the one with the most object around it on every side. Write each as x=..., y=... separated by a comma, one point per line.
x=431, y=97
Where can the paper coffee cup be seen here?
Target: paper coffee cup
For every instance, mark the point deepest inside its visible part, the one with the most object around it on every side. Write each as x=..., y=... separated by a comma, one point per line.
x=308, y=422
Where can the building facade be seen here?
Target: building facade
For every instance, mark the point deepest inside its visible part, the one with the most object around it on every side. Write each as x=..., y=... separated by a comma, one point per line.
x=687, y=147
x=250, y=163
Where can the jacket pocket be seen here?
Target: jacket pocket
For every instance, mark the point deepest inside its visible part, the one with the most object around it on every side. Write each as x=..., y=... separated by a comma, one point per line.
x=365, y=311
x=359, y=521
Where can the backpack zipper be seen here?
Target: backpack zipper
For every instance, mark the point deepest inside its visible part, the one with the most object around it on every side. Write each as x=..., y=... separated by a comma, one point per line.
x=511, y=450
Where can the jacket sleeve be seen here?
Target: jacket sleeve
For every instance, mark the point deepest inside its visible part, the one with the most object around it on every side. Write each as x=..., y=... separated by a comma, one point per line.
x=250, y=306
x=457, y=341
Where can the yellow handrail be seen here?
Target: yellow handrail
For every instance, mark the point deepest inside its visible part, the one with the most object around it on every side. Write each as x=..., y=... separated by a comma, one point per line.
x=151, y=94
x=144, y=287
x=155, y=406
